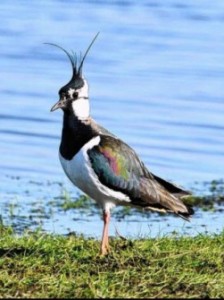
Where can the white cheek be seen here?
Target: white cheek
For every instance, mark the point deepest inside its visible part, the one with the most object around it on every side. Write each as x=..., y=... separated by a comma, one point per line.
x=81, y=108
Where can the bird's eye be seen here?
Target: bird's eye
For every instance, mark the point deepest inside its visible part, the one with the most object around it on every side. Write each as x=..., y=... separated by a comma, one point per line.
x=75, y=94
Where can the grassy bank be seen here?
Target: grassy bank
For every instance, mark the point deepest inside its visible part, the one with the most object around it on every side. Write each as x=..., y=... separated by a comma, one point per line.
x=41, y=265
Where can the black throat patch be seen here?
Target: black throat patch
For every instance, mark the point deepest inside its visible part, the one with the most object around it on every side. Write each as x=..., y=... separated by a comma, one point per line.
x=75, y=134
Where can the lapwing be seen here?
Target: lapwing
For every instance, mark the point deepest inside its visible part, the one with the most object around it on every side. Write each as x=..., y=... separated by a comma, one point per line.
x=103, y=166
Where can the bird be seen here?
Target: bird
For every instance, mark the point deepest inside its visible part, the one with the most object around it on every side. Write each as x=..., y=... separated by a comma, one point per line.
x=103, y=166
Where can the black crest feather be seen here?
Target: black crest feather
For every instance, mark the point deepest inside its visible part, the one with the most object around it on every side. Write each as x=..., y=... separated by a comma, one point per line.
x=77, y=70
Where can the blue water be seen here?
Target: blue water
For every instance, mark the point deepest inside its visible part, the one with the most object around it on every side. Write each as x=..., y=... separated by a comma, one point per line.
x=155, y=73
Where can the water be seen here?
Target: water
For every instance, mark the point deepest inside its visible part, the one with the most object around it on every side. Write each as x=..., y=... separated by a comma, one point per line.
x=156, y=77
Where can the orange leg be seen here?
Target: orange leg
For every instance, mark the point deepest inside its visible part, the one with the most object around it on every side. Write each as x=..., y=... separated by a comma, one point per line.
x=105, y=240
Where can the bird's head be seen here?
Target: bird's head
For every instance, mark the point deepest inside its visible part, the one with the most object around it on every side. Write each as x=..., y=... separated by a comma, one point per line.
x=74, y=96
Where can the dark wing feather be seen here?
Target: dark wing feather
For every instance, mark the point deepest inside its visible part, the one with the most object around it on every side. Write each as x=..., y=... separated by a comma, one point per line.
x=118, y=167
x=171, y=187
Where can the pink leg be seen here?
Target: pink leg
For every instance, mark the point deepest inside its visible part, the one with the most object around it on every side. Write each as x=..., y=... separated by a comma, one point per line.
x=105, y=240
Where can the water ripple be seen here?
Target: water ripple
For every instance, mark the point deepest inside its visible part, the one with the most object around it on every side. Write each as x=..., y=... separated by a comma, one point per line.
x=31, y=134
x=156, y=77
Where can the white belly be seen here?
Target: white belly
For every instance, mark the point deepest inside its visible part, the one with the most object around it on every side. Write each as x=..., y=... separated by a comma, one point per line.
x=80, y=172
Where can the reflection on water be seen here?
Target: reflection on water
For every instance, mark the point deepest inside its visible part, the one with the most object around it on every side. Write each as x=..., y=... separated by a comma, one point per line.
x=156, y=77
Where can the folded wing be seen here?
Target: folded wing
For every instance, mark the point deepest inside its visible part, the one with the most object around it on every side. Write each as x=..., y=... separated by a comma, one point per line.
x=118, y=167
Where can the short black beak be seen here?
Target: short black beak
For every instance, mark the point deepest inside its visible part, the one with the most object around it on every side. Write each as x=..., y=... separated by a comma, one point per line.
x=59, y=104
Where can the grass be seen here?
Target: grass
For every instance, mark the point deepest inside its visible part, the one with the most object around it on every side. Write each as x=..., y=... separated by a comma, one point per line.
x=38, y=265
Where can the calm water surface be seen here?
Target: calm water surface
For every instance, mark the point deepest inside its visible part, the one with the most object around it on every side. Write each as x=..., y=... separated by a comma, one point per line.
x=156, y=76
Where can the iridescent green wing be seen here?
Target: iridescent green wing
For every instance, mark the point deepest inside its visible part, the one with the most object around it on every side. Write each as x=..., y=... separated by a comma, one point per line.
x=117, y=166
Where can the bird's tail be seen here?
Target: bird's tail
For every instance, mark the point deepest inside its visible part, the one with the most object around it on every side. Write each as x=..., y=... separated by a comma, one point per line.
x=171, y=196
x=167, y=202
x=175, y=204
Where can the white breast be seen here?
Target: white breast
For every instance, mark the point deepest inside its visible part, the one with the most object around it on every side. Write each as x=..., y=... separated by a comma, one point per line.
x=80, y=172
